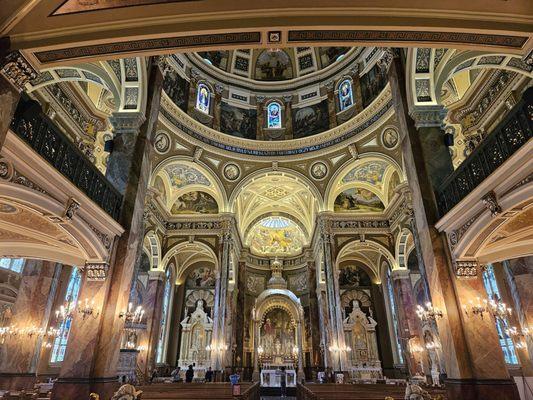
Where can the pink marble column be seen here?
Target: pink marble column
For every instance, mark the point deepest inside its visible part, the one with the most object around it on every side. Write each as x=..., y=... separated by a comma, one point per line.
x=407, y=318
x=19, y=355
x=77, y=367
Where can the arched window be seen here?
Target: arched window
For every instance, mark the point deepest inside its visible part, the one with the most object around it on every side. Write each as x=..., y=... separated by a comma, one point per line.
x=394, y=317
x=203, y=98
x=71, y=297
x=164, y=317
x=506, y=343
x=12, y=264
x=345, y=95
x=274, y=115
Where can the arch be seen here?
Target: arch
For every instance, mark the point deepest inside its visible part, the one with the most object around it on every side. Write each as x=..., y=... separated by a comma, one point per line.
x=205, y=180
x=45, y=235
x=355, y=250
x=283, y=297
x=337, y=186
x=404, y=245
x=188, y=254
x=153, y=246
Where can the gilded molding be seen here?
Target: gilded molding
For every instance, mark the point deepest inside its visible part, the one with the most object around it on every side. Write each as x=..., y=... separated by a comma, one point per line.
x=17, y=70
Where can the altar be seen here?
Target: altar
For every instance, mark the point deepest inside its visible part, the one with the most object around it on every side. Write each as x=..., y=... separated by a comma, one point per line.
x=272, y=377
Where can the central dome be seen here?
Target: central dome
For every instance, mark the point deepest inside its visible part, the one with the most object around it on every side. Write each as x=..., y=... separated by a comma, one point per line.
x=275, y=64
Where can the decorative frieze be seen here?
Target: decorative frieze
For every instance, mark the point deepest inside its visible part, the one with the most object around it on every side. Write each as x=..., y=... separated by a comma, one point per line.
x=457, y=234
x=96, y=272
x=466, y=269
x=71, y=209
x=491, y=203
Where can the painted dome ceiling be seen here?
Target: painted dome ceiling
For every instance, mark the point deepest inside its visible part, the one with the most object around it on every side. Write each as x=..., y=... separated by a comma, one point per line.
x=271, y=65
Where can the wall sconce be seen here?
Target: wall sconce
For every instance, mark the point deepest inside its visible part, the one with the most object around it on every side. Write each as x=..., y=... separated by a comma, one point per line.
x=432, y=345
x=260, y=350
x=429, y=312
x=87, y=309
x=478, y=308
x=499, y=309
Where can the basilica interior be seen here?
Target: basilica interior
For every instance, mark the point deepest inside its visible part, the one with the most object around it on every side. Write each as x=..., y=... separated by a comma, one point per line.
x=191, y=183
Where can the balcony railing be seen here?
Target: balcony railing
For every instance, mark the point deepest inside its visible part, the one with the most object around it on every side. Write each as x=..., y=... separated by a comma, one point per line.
x=43, y=136
x=511, y=134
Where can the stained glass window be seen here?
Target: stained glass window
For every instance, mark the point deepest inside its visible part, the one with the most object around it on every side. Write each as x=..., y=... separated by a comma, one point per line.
x=506, y=343
x=345, y=95
x=274, y=115
x=203, y=98
x=71, y=296
x=164, y=317
x=394, y=315
x=12, y=264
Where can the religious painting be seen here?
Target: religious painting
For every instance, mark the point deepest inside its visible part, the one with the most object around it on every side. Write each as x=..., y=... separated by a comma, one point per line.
x=273, y=65
x=345, y=95
x=276, y=236
x=277, y=333
x=182, y=175
x=393, y=182
x=201, y=277
x=328, y=55
x=203, y=98
x=353, y=276
x=371, y=172
x=372, y=83
x=177, y=89
x=358, y=200
x=274, y=115
x=216, y=58
x=195, y=202
x=310, y=120
x=237, y=121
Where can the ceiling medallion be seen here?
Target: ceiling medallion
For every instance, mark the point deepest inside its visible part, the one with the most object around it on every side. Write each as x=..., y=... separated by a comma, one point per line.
x=162, y=142
x=232, y=172
x=390, y=138
x=319, y=170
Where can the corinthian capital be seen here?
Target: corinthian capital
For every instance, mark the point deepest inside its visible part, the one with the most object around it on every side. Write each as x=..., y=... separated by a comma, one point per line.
x=17, y=70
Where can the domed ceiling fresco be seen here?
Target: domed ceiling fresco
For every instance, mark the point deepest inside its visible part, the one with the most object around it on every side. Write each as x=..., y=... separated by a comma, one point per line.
x=276, y=236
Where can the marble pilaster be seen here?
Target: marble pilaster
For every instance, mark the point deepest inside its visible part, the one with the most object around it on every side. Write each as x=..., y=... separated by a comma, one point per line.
x=15, y=72
x=467, y=378
x=19, y=357
x=240, y=317
x=332, y=101
x=217, y=106
x=288, y=117
x=314, y=310
x=260, y=102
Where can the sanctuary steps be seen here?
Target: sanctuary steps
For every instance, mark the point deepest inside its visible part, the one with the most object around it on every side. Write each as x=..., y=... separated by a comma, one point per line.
x=328, y=391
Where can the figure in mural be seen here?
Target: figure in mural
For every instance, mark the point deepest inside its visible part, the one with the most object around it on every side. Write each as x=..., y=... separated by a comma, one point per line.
x=237, y=121
x=276, y=236
x=310, y=120
x=273, y=65
x=359, y=200
x=195, y=202
x=203, y=98
x=274, y=116
x=202, y=277
x=345, y=95
x=277, y=333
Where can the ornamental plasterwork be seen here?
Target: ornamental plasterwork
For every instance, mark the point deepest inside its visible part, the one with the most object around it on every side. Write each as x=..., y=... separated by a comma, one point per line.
x=255, y=284
x=358, y=127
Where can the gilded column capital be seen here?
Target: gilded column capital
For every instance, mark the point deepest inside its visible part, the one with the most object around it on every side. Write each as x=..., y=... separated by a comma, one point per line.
x=17, y=70
x=127, y=121
x=428, y=116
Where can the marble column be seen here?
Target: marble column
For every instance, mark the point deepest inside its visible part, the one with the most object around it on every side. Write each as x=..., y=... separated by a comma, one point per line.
x=239, y=324
x=407, y=319
x=77, y=367
x=332, y=104
x=383, y=336
x=15, y=73
x=466, y=356
x=19, y=356
x=505, y=283
x=333, y=294
x=317, y=361
x=152, y=304
x=288, y=117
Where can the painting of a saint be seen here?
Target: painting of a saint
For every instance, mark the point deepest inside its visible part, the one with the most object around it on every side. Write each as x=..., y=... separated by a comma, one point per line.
x=203, y=98
x=310, y=120
x=202, y=277
x=345, y=95
x=273, y=65
x=277, y=334
x=274, y=116
x=352, y=276
x=195, y=203
x=372, y=83
x=358, y=200
x=237, y=121
x=177, y=88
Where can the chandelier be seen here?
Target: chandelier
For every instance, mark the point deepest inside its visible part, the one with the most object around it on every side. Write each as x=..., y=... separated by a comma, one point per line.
x=131, y=316
x=428, y=313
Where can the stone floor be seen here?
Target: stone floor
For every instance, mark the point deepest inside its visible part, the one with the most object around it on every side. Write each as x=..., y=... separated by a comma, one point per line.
x=277, y=398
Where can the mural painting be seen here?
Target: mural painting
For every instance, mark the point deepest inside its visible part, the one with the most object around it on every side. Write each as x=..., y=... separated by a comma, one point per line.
x=182, y=175
x=195, y=203
x=217, y=59
x=352, y=276
x=273, y=65
x=310, y=120
x=277, y=333
x=358, y=200
x=201, y=277
x=371, y=172
x=238, y=121
x=393, y=182
x=276, y=236
x=372, y=83
x=177, y=88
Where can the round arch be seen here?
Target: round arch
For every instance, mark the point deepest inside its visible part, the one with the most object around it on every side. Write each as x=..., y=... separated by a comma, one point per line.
x=215, y=189
x=404, y=247
x=153, y=247
x=335, y=186
x=189, y=253
x=353, y=250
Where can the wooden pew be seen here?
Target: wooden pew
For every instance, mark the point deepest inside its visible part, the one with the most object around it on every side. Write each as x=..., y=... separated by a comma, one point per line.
x=330, y=391
x=193, y=391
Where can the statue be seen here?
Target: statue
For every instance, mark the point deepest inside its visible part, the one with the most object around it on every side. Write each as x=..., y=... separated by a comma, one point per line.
x=127, y=392
x=415, y=392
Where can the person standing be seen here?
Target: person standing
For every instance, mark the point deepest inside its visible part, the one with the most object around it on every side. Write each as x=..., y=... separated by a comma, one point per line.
x=209, y=375
x=283, y=382
x=189, y=374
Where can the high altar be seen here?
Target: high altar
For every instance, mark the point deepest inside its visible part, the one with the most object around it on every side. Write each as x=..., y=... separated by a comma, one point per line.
x=196, y=336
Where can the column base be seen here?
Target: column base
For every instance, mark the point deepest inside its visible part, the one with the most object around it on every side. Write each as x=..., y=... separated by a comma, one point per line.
x=81, y=388
x=17, y=381
x=256, y=376
x=481, y=389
